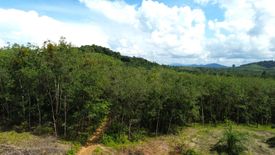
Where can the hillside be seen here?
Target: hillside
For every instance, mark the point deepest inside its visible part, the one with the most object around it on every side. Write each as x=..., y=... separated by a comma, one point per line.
x=262, y=69
x=211, y=65
x=67, y=92
x=131, y=61
x=261, y=65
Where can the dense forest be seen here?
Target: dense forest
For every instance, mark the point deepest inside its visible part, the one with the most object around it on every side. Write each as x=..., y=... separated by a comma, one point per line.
x=67, y=91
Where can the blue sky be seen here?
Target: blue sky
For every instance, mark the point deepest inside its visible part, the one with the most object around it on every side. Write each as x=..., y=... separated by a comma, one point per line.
x=62, y=9
x=165, y=31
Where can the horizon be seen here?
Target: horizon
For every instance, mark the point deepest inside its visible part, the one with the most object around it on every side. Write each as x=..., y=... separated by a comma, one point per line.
x=162, y=31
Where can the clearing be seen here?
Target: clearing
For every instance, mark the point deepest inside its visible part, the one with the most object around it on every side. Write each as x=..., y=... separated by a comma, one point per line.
x=13, y=143
x=198, y=138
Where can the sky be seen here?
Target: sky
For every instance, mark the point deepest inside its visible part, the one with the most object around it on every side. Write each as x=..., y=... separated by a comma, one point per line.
x=164, y=31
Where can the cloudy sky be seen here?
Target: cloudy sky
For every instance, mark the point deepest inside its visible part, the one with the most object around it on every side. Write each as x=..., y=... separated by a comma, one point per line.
x=165, y=31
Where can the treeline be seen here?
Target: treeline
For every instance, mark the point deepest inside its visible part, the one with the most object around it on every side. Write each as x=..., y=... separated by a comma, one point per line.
x=68, y=91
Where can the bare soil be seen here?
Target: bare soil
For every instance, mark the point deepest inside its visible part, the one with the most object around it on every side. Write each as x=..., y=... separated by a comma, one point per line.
x=12, y=143
x=200, y=139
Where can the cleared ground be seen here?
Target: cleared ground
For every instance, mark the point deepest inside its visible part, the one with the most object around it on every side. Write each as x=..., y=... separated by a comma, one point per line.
x=13, y=143
x=198, y=139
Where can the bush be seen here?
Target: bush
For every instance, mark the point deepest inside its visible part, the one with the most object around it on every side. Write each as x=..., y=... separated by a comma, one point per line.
x=74, y=149
x=138, y=135
x=42, y=130
x=191, y=152
x=271, y=142
x=112, y=140
x=232, y=141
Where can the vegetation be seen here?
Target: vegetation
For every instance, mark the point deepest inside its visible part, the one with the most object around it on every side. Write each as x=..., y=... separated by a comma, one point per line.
x=271, y=142
x=263, y=69
x=232, y=141
x=26, y=143
x=198, y=139
x=264, y=64
x=67, y=91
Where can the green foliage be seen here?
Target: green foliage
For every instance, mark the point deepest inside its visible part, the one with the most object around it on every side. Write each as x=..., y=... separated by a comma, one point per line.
x=232, y=141
x=67, y=91
x=13, y=137
x=271, y=142
x=266, y=64
x=74, y=149
x=98, y=150
x=115, y=139
x=138, y=135
x=183, y=149
x=191, y=152
x=42, y=130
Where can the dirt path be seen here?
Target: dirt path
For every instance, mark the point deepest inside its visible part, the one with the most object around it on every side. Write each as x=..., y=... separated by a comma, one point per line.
x=91, y=144
x=89, y=150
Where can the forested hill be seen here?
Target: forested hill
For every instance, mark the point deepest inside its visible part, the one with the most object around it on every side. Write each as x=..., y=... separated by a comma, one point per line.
x=258, y=69
x=131, y=61
x=68, y=91
x=263, y=64
x=263, y=69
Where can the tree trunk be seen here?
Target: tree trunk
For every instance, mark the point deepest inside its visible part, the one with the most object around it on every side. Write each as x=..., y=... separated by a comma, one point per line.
x=53, y=115
x=129, y=130
x=23, y=99
x=39, y=111
x=202, y=113
x=65, y=115
x=29, y=110
x=57, y=89
x=169, y=126
x=157, y=125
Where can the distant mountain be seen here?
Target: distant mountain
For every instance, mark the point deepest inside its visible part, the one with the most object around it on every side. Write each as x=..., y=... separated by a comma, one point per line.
x=211, y=65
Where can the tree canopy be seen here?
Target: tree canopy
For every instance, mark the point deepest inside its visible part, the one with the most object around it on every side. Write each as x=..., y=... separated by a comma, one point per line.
x=68, y=91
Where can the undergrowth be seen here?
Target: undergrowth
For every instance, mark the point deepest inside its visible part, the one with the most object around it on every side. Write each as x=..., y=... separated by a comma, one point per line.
x=232, y=141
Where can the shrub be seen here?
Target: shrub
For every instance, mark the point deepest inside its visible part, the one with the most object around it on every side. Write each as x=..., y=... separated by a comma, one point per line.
x=191, y=152
x=232, y=141
x=271, y=142
x=138, y=135
x=42, y=130
x=114, y=139
x=75, y=147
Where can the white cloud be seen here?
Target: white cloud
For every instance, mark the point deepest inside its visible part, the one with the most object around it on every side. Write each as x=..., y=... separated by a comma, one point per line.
x=2, y=43
x=203, y=2
x=28, y=26
x=153, y=30
x=245, y=33
x=118, y=10
x=158, y=32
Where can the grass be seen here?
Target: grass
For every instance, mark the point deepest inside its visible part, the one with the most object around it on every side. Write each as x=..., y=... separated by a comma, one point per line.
x=75, y=146
x=202, y=138
x=15, y=138
x=98, y=150
x=198, y=139
x=232, y=141
x=194, y=140
x=12, y=141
